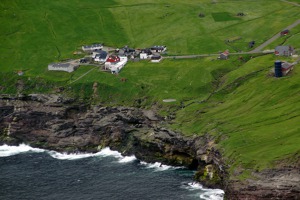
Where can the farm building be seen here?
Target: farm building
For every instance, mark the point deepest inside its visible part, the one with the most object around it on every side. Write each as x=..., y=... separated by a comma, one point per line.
x=251, y=44
x=156, y=58
x=113, y=59
x=92, y=47
x=224, y=55
x=145, y=53
x=143, y=56
x=284, y=32
x=286, y=68
x=115, y=63
x=126, y=51
x=101, y=56
x=284, y=51
x=95, y=52
x=67, y=67
x=282, y=68
x=158, y=49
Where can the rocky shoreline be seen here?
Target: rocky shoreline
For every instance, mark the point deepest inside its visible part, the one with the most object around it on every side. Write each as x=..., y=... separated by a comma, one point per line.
x=51, y=122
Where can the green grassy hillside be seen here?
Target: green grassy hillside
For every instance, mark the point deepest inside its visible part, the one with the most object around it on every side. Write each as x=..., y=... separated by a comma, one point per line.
x=252, y=115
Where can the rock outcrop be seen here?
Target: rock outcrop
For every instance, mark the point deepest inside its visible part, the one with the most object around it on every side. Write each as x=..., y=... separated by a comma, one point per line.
x=59, y=124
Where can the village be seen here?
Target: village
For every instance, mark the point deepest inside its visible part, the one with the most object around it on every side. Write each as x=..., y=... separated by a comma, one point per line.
x=114, y=59
x=109, y=59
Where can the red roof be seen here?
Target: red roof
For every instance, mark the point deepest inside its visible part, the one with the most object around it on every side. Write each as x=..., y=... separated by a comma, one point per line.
x=113, y=58
x=226, y=53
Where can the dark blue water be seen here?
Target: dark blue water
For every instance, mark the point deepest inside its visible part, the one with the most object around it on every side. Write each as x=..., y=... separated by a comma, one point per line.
x=40, y=174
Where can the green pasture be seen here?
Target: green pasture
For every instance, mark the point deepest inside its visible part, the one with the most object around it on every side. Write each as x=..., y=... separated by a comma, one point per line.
x=151, y=83
x=253, y=116
x=224, y=16
x=38, y=32
x=293, y=39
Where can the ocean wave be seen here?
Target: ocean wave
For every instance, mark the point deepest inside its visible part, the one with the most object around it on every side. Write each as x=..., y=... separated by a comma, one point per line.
x=206, y=194
x=121, y=159
x=71, y=156
x=6, y=150
x=157, y=166
x=127, y=159
x=212, y=194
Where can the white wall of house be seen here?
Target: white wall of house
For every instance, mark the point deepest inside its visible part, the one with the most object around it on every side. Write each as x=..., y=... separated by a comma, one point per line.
x=143, y=56
x=56, y=67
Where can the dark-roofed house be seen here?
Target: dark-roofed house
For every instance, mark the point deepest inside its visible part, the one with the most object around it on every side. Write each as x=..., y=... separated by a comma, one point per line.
x=224, y=55
x=158, y=49
x=67, y=67
x=126, y=51
x=101, y=56
x=284, y=51
x=145, y=53
x=251, y=44
x=284, y=32
x=156, y=58
x=92, y=47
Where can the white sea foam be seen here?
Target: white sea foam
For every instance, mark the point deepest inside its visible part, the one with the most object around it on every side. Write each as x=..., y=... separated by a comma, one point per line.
x=108, y=152
x=206, y=194
x=71, y=156
x=121, y=159
x=6, y=150
x=157, y=166
x=212, y=194
x=127, y=159
x=193, y=186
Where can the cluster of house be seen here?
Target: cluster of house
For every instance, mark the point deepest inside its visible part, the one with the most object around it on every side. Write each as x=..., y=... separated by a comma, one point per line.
x=112, y=61
x=152, y=53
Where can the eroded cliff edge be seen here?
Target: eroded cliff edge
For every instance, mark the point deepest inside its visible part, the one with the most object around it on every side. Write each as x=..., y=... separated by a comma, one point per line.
x=51, y=122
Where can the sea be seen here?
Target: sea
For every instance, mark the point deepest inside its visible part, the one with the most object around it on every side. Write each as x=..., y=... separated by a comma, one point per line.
x=28, y=173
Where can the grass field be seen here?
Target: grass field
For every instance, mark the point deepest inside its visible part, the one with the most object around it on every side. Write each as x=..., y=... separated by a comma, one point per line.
x=39, y=32
x=224, y=16
x=293, y=38
x=252, y=116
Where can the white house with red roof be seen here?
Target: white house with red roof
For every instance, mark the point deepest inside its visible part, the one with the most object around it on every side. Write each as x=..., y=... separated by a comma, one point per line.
x=115, y=63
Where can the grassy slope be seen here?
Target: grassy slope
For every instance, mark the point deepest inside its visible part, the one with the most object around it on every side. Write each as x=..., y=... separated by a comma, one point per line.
x=39, y=32
x=292, y=39
x=253, y=116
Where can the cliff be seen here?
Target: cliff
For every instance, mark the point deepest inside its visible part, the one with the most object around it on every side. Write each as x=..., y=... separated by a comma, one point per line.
x=50, y=122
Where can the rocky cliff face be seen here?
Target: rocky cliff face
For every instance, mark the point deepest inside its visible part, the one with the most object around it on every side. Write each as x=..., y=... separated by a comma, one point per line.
x=58, y=124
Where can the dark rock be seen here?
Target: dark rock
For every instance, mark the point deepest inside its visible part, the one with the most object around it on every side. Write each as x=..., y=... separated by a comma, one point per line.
x=47, y=122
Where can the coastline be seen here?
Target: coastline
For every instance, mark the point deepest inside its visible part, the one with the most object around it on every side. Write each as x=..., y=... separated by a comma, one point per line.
x=63, y=125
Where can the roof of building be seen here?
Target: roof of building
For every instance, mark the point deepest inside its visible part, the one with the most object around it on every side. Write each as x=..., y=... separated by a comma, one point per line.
x=283, y=48
x=113, y=58
x=158, y=47
x=65, y=65
x=286, y=66
x=155, y=57
x=101, y=54
x=93, y=46
x=285, y=31
x=225, y=53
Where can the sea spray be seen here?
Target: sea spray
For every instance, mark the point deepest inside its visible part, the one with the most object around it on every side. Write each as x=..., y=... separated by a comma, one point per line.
x=6, y=150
